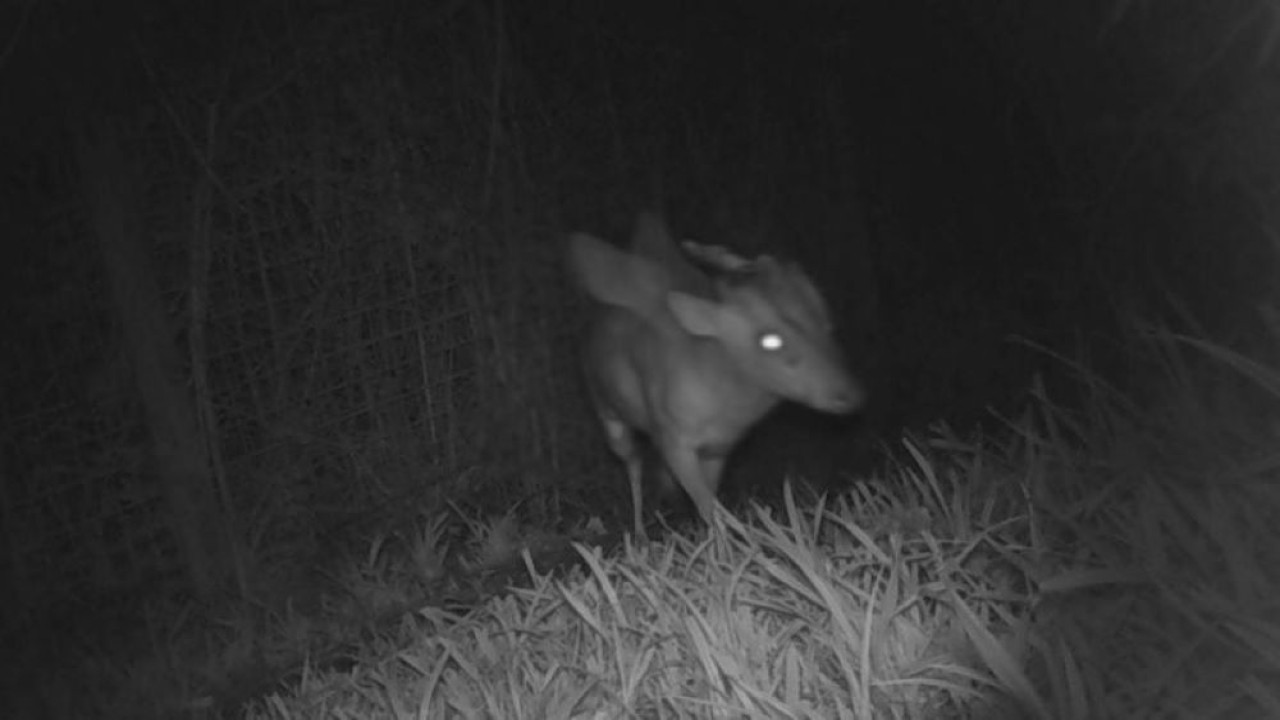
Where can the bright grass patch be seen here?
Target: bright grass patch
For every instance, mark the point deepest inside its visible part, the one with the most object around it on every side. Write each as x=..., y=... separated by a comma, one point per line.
x=1061, y=571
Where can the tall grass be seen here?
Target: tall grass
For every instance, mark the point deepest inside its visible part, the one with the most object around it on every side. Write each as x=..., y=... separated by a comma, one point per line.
x=1097, y=560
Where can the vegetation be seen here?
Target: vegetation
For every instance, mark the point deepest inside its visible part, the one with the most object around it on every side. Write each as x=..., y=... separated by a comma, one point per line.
x=295, y=427
x=1098, y=562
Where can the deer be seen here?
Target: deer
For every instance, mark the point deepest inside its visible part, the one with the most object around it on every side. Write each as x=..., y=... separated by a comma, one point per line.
x=692, y=345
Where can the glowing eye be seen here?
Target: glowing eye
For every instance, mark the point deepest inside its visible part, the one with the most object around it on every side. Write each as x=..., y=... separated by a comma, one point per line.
x=771, y=341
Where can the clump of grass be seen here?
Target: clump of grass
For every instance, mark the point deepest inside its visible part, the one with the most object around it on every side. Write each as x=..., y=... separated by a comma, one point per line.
x=1059, y=568
x=1099, y=561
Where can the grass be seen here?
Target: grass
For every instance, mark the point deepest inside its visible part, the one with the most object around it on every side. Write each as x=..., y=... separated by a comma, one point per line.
x=1099, y=562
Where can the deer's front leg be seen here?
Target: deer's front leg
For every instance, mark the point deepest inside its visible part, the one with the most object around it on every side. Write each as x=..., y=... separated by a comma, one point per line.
x=684, y=461
x=622, y=441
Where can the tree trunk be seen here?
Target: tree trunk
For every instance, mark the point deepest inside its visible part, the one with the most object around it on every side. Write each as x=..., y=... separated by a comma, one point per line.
x=181, y=461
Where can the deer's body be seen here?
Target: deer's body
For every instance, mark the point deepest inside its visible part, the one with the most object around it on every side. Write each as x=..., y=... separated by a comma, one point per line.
x=692, y=361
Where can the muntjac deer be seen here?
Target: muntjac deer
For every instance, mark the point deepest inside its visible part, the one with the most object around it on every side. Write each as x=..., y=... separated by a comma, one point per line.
x=693, y=360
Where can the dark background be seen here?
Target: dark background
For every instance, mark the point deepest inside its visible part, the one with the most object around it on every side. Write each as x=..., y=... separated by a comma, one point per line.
x=963, y=180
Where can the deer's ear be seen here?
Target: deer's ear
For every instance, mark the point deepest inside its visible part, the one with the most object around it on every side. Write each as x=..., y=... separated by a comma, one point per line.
x=698, y=316
x=615, y=277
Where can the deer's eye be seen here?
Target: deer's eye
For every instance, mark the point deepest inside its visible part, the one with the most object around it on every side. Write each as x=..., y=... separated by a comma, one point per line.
x=771, y=342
